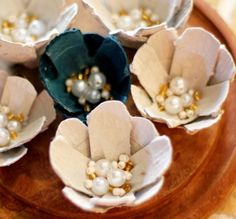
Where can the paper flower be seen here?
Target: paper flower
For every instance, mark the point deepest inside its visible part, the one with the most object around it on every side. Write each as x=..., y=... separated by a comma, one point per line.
x=72, y=52
x=49, y=18
x=111, y=132
x=139, y=19
x=195, y=62
x=23, y=115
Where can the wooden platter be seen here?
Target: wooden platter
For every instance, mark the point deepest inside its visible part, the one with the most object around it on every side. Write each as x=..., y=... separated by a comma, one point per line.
x=201, y=176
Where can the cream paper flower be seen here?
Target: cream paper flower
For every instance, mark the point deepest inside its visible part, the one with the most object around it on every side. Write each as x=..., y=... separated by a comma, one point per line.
x=19, y=95
x=198, y=57
x=54, y=14
x=171, y=13
x=111, y=131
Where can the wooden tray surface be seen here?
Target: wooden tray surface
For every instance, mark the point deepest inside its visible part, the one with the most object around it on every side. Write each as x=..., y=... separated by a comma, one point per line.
x=201, y=176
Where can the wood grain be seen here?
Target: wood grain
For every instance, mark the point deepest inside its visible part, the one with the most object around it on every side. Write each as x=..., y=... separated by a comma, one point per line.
x=199, y=180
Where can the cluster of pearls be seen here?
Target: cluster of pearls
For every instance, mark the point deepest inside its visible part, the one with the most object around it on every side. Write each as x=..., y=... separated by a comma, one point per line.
x=24, y=28
x=10, y=125
x=89, y=87
x=138, y=17
x=110, y=176
x=176, y=99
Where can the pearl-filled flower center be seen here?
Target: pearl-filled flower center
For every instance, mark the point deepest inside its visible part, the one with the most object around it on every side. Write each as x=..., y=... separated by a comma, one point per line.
x=90, y=87
x=10, y=125
x=176, y=99
x=109, y=176
x=137, y=17
x=25, y=28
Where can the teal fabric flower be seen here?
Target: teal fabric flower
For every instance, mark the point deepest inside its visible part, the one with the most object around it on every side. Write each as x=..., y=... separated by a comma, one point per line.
x=73, y=51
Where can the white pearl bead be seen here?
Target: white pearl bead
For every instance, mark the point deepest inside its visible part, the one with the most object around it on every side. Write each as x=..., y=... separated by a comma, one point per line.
x=4, y=137
x=88, y=184
x=178, y=85
x=118, y=192
x=116, y=177
x=37, y=28
x=125, y=23
x=190, y=113
x=154, y=18
x=93, y=96
x=82, y=100
x=21, y=23
x=148, y=11
x=173, y=105
x=19, y=35
x=114, y=164
x=91, y=163
x=143, y=24
x=105, y=94
x=12, y=19
x=128, y=175
x=121, y=165
x=183, y=115
x=3, y=120
x=169, y=93
x=6, y=31
x=97, y=80
x=5, y=109
x=100, y=186
x=136, y=14
x=14, y=126
x=69, y=82
x=187, y=99
x=191, y=92
x=102, y=167
x=91, y=170
x=160, y=99
x=124, y=158
x=95, y=69
x=79, y=88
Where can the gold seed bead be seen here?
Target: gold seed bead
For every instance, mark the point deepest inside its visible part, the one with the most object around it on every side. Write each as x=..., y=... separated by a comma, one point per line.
x=87, y=108
x=80, y=76
x=10, y=116
x=129, y=166
x=197, y=96
x=107, y=87
x=69, y=89
x=73, y=76
x=163, y=90
x=34, y=38
x=127, y=187
x=123, y=13
x=92, y=176
x=30, y=18
x=193, y=106
x=110, y=189
x=13, y=135
x=20, y=117
x=162, y=108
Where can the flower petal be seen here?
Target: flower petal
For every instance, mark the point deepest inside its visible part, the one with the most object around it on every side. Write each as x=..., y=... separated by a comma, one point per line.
x=3, y=78
x=172, y=121
x=105, y=122
x=27, y=134
x=19, y=95
x=213, y=99
x=151, y=162
x=66, y=17
x=148, y=192
x=11, y=7
x=163, y=44
x=76, y=134
x=202, y=123
x=195, y=57
x=113, y=201
x=9, y=157
x=139, y=138
x=149, y=70
x=43, y=106
x=141, y=99
x=225, y=67
x=82, y=201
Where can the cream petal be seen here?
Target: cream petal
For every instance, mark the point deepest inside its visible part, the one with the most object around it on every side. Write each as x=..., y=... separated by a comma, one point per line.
x=19, y=95
x=172, y=121
x=113, y=201
x=147, y=193
x=27, y=134
x=140, y=138
x=163, y=44
x=43, y=106
x=66, y=17
x=147, y=67
x=69, y=164
x=141, y=99
x=213, y=99
x=104, y=122
x=202, y=123
x=11, y=7
x=195, y=57
x=3, y=77
x=82, y=201
x=49, y=11
x=151, y=162
x=76, y=134
x=225, y=67
x=10, y=157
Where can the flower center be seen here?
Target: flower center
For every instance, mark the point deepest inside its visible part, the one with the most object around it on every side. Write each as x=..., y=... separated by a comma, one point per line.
x=24, y=28
x=175, y=99
x=10, y=125
x=89, y=87
x=106, y=176
x=138, y=17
